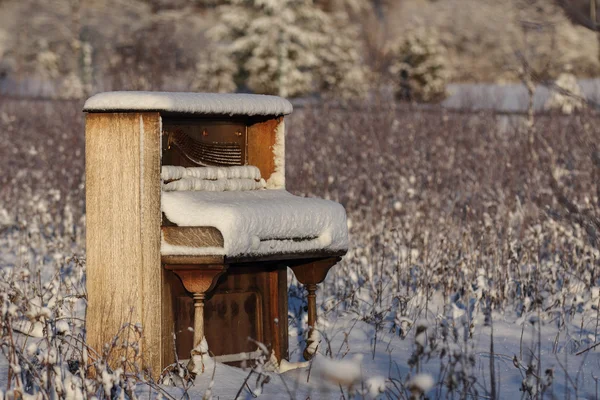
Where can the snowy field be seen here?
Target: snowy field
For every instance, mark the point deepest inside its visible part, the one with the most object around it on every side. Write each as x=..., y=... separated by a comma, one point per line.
x=473, y=270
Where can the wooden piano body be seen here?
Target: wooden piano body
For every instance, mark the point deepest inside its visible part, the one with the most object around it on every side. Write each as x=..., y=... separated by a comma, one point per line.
x=160, y=255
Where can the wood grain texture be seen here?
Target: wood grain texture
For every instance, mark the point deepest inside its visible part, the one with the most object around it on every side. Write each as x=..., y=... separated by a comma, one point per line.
x=315, y=271
x=154, y=356
x=192, y=236
x=182, y=306
x=261, y=140
x=198, y=278
x=169, y=286
x=275, y=317
x=250, y=300
x=282, y=323
x=124, y=274
x=176, y=259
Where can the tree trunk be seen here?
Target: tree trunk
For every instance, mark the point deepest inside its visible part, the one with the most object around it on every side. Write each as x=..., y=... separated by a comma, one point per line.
x=594, y=18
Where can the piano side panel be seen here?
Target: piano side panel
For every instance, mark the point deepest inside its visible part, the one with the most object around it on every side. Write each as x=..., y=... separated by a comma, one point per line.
x=123, y=231
x=157, y=319
x=261, y=141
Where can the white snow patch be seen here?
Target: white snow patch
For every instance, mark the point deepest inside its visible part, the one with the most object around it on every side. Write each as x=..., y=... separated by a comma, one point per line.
x=62, y=327
x=220, y=185
x=5, y=218
x=421, y=383
x=338, y=372
x=375, y=385
x=170, y=172
x=200, y=361
x=285, y=365
x=259, y=221
x=187, y=102
x=314, y=341
x=32, y=349
x=211, y=179
x=277, y=178
x=33, y=329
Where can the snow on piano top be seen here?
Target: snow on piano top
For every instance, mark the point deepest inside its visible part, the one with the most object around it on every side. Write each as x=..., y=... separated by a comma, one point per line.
x=189, y=103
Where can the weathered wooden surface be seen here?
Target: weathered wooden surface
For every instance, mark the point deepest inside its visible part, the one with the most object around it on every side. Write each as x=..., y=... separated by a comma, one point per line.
x=124, y=274
x=261, y=141
x=246, y=259
x=199, y=280
x=313, y=271
x=279, y=310
x=183, y=309
x=250, y=300
x=192, y=236
x=183, y=259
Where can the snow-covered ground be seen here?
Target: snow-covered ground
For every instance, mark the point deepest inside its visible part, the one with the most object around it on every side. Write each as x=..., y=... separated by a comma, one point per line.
x=454, y=234
x=509, y=97
x=358, y=361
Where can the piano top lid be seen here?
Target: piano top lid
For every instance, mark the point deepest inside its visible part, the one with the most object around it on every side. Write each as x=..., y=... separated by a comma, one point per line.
x=189, y=103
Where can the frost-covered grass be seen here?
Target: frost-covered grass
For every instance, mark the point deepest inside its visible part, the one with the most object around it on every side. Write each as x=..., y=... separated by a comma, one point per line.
x=464, y=223
x=473, y=268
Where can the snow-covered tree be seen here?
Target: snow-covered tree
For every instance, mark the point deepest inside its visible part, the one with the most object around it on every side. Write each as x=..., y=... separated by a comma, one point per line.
x=215, y=72
x=419, y=67
x=271, y=42
x=286, y=47
x=47, y=61
x=72, y=87
x=567, y=96
x=340, y=66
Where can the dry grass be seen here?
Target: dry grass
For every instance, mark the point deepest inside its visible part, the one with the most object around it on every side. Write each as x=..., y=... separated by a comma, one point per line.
x=469, y=212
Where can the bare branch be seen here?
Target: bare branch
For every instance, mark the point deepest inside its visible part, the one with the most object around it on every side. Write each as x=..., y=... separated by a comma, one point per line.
x=578, y=12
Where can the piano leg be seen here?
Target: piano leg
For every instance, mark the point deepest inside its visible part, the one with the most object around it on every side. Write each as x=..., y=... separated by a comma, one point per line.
x=310, y=274
x=199, y=280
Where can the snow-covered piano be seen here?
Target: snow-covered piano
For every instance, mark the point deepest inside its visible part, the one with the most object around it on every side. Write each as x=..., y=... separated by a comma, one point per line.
x=189, y=224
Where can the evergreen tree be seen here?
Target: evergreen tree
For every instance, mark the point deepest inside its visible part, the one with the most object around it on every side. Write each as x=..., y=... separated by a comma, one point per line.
x=215, y=72
x=419, y=67
x=339, y=69
x=286, y=47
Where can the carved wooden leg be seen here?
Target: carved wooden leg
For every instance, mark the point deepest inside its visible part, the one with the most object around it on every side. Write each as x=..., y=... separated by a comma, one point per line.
x=198, y=318
x=312, y=303
x=312, y=319
x=310, y=274
x=198, y=279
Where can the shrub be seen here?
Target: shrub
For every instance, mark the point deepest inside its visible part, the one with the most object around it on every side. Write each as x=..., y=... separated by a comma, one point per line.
x=419, y=68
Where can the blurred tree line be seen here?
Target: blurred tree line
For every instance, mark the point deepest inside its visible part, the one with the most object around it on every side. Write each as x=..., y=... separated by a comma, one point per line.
x=338, y=48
